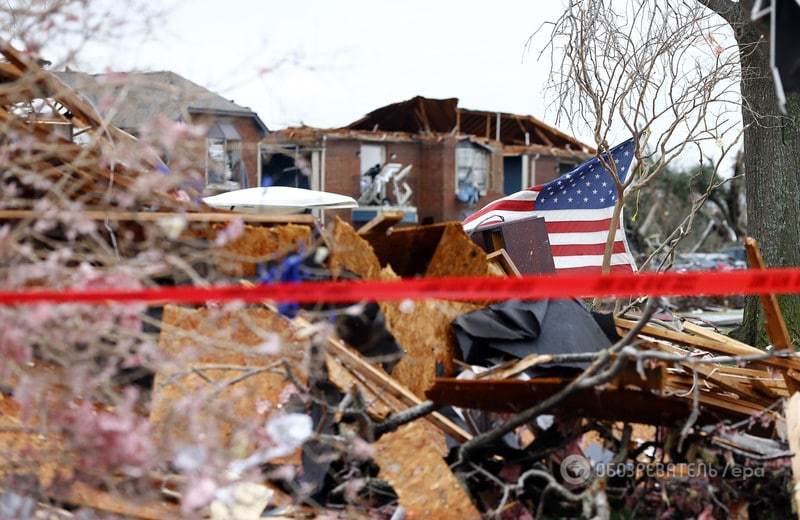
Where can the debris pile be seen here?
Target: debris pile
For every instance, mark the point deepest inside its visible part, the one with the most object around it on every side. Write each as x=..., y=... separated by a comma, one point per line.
x=411, y=409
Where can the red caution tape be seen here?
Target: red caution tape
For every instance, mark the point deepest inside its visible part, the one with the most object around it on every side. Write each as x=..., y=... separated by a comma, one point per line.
x=744, y=282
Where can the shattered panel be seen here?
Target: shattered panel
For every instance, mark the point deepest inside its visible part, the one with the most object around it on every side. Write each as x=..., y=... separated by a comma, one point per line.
x=422, y=329
x=425, y=486
x=351, y=252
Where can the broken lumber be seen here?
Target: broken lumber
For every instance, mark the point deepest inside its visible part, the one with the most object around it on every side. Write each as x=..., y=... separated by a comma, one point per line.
x=425, y=486
x=384, y=382
x=157, y=216
x=776, y=326
x=382, y=222
x=709, y=343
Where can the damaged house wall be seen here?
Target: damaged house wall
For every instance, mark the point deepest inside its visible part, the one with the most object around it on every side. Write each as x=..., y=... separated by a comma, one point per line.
x=430, y=135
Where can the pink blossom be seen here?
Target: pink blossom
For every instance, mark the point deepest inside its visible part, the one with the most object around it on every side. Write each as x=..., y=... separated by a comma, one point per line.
x=361, y=449
x=229, y=233
x=117, y=440
x=13, y=345
x=198, y=494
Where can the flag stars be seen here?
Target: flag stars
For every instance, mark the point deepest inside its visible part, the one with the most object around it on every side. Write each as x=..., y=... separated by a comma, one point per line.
x=585, y=199
x=569, y=199
x=594, y=192
x=602, y=199
x=604, y=184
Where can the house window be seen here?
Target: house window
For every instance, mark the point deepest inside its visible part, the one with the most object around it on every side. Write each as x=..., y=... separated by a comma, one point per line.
x=372, y=157
x=224, y=168
x=290, y=169
x=472, y=171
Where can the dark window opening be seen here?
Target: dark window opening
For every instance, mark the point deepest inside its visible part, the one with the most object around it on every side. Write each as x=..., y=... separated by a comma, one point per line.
x=282, y=170
x=512, y=174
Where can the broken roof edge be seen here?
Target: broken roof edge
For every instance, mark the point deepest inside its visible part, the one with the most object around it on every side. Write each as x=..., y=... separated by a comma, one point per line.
x=537, y=122
x=313, y=135
x=421, y=115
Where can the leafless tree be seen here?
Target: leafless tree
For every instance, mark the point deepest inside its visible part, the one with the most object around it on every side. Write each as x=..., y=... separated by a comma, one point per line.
x=660, y=73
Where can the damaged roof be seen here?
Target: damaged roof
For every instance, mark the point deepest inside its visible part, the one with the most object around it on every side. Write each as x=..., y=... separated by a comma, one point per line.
x=141, y=96
x=421, y=115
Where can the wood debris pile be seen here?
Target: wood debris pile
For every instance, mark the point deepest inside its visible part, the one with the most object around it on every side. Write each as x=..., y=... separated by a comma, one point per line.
x=367, y=410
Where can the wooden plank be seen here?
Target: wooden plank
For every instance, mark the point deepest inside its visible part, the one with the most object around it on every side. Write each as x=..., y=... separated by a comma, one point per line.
x=512, y=368
x=770, y=392
x=9, y=71
x=604, y=403
x=729, y=404
x=776, y=326
x=424, y=333
x=64, y=94
x=86, y=496
x=542, y=136
x=155, y=216
x=503, y=261
x=729, y=348
x=425, y=486
x=353, y=360
x=195, y=341
x=456, y=254
x=382, y=222
x=351, y=252
x=708, y=372
x=792, y=414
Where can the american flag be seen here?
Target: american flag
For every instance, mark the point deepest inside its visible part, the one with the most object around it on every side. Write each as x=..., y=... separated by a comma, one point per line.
x=577, y=208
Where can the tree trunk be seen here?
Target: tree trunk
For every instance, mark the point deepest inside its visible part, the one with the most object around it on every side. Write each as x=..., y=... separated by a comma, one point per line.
x=772, y=177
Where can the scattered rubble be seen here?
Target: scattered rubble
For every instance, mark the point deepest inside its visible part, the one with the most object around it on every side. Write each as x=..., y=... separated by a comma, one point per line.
x=504, y=410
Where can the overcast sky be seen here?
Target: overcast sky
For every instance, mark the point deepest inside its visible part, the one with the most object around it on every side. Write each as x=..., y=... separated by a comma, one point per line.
x=328, y=62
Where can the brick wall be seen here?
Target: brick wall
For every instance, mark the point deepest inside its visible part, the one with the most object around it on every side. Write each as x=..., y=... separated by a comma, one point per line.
x=433, y=176
x=343, y=170
x=342, y=167
x=544, y=169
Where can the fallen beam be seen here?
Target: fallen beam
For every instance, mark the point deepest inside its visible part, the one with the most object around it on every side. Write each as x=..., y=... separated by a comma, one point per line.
x=156, y=216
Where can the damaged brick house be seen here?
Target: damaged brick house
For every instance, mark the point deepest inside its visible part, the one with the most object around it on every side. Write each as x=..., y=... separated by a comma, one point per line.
x=458, y=158
x=227, y=155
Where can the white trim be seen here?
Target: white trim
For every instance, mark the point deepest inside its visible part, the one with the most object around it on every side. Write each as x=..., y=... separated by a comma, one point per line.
x=259, y=166
x=525, y=171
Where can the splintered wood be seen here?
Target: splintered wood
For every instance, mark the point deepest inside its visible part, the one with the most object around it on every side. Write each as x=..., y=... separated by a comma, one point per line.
x=422, y=328
x=425, y=486
x=24, y=449
x=258, y=244
x=457, y=255
x=349, y=251
x=222, y=372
